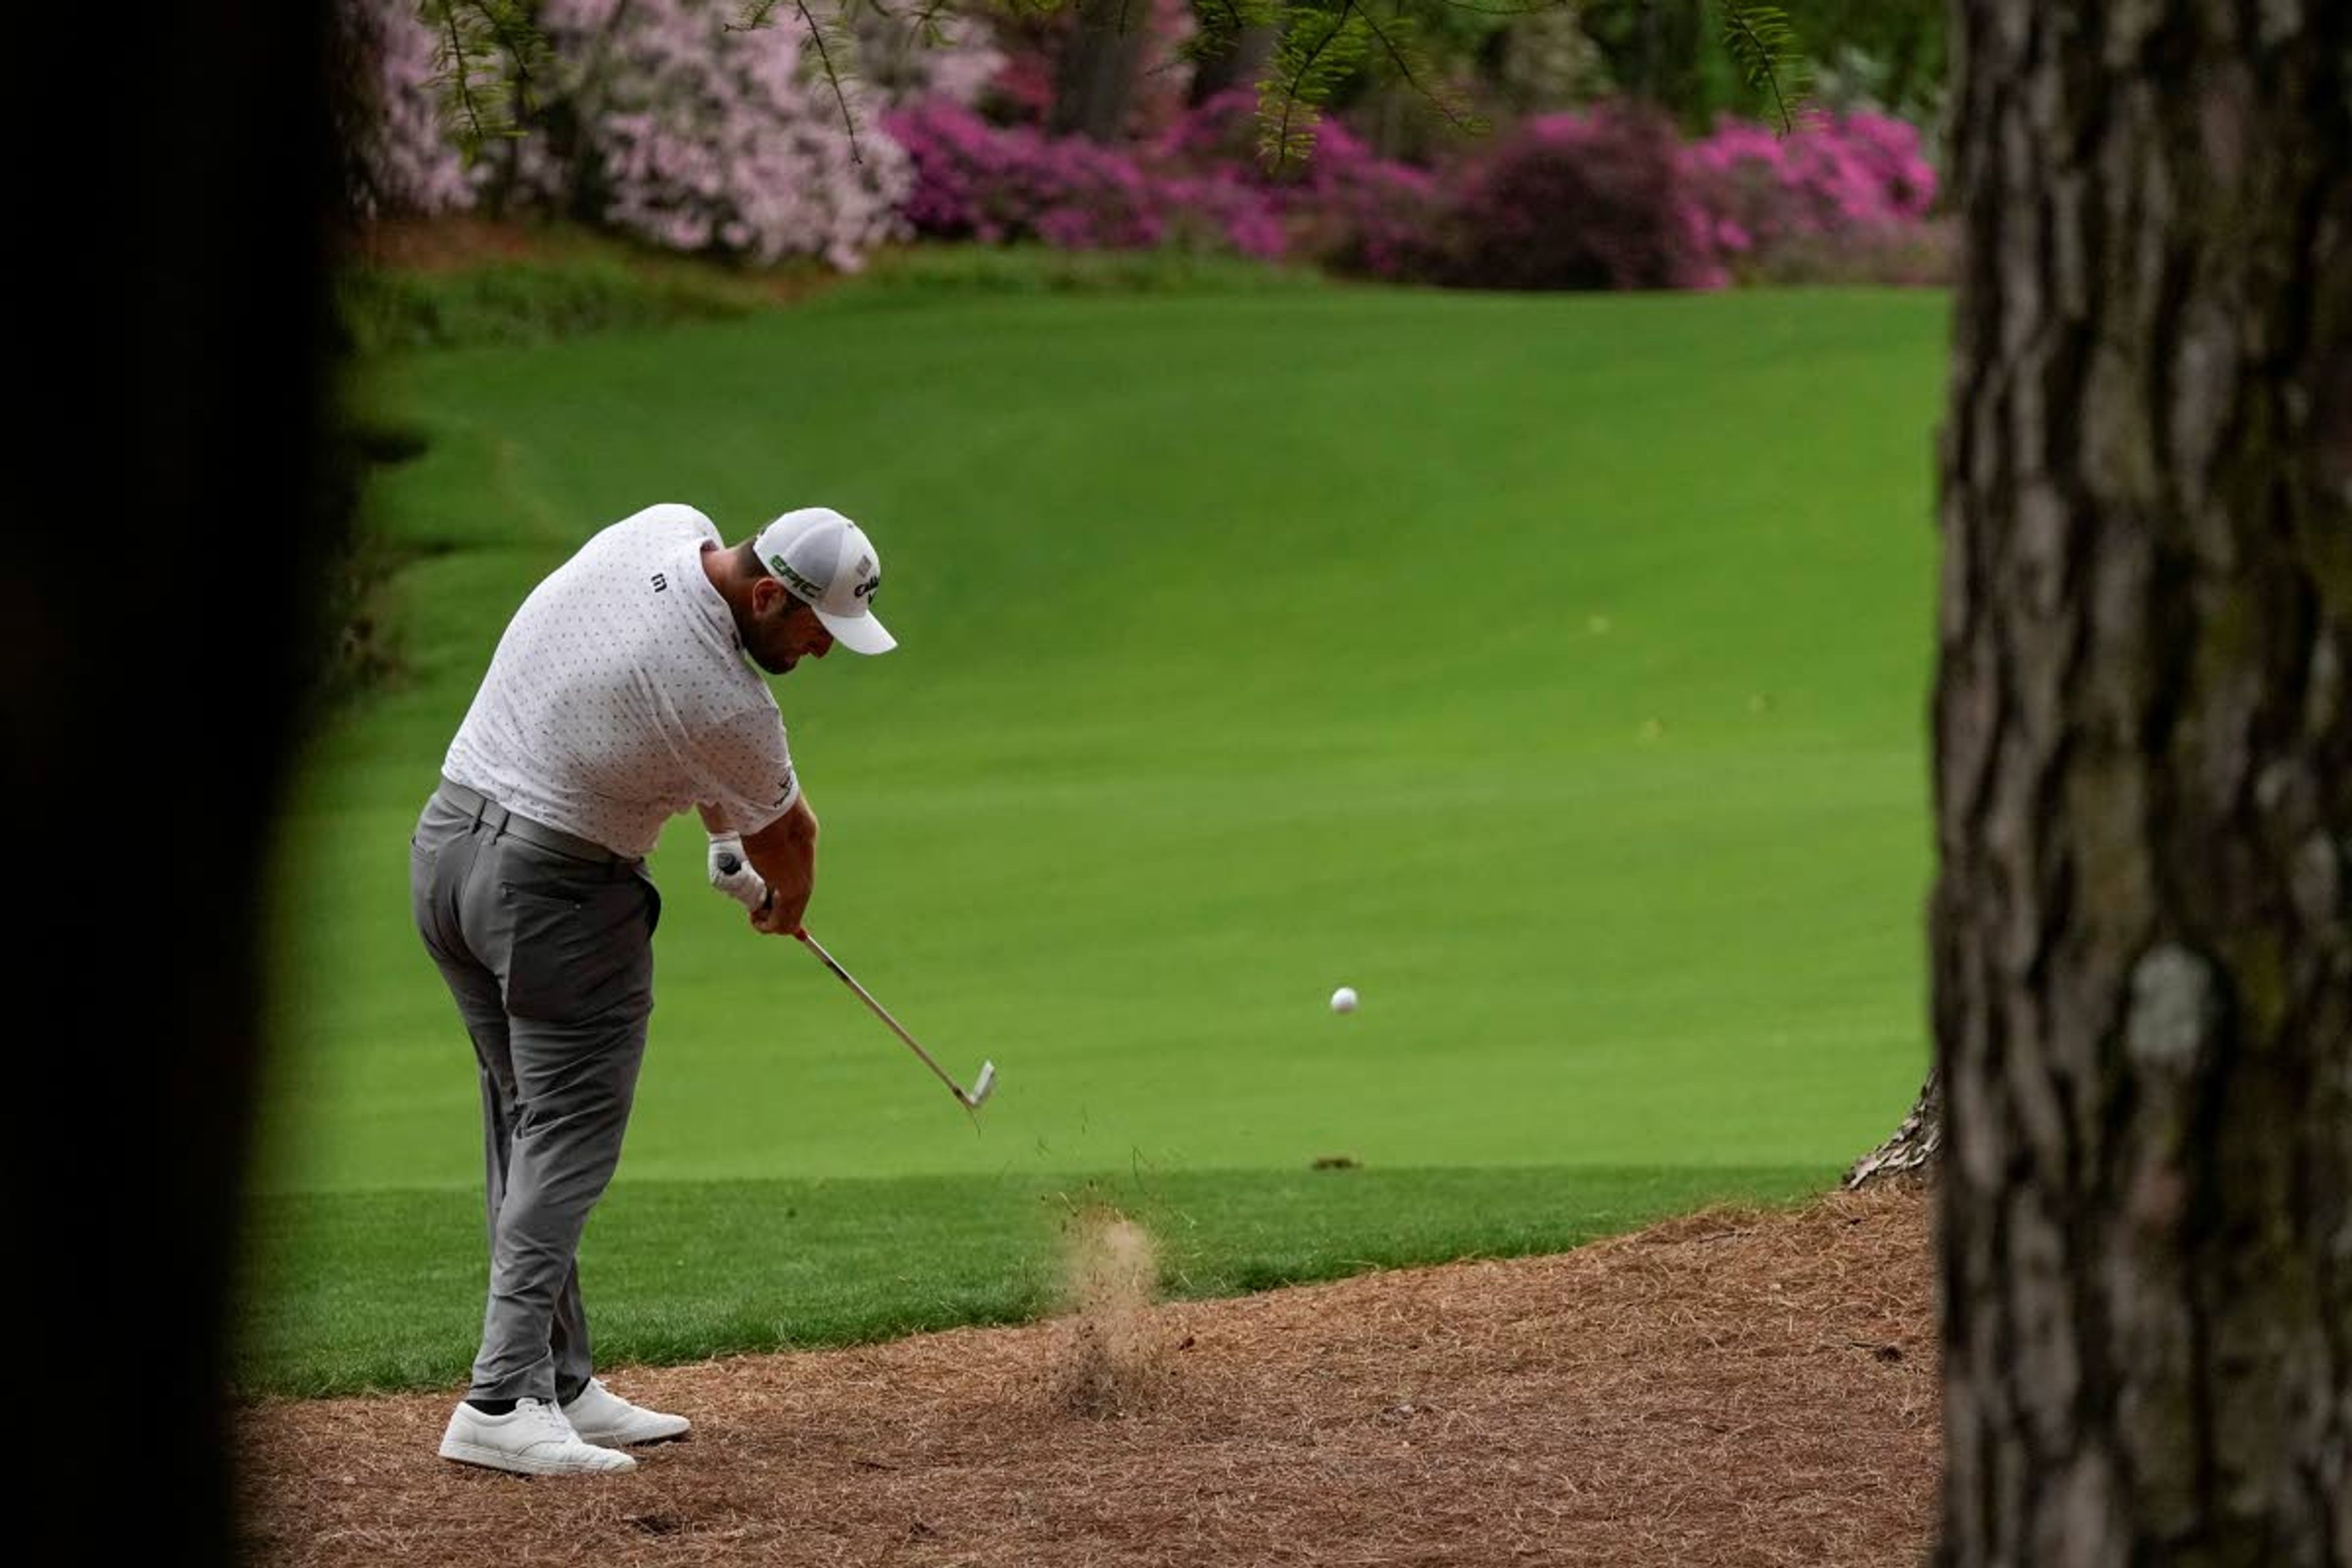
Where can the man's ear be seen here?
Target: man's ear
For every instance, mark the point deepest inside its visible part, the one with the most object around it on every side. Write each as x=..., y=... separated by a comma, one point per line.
x=765, y=592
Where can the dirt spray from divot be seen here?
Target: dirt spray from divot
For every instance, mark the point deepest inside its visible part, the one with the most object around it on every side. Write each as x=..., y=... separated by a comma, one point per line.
x=1112, y=1361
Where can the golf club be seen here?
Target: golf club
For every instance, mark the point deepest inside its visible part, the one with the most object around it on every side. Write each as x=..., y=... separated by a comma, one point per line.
x=980, y=1086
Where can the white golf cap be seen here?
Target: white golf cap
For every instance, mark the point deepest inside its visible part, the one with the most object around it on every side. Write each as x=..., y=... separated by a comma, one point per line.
x=827, y=559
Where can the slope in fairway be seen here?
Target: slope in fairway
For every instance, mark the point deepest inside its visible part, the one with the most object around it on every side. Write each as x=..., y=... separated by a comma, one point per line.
x=1549, y=669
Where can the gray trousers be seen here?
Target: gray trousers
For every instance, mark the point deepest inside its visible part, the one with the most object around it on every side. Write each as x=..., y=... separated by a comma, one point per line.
x=550, y=956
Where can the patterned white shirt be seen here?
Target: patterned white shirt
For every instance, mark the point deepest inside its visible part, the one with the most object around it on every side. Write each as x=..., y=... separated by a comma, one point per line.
x=620, y=696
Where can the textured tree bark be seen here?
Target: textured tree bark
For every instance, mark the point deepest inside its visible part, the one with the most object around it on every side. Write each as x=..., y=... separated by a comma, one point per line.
x=2142, y=929
x=1095, y=79
x=1912, y=1148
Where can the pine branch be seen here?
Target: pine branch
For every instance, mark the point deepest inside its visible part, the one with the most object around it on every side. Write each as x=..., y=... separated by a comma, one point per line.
x=829, y=41
x=1414, y=66
x=832, y=78
x=1314, y=64
x=1764, y=46
x=487, y=56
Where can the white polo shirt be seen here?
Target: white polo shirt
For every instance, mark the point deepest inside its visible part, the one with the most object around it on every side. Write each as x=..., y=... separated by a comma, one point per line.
x=620, y=696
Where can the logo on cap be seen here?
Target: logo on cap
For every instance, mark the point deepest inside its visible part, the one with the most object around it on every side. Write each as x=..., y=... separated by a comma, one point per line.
x=785, y=569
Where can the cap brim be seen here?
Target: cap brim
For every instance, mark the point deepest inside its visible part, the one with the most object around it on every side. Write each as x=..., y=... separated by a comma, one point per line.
x=858, y=633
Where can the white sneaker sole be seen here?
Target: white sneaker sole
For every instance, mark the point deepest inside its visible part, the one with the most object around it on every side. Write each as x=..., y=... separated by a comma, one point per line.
x=611, y=1439
x=516, y=1464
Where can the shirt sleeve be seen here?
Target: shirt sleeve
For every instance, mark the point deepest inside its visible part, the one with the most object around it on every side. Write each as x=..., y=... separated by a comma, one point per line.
x=746, y=768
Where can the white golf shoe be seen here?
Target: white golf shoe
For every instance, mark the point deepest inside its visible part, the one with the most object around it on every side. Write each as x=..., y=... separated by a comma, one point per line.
x=532, y=1439
x=601, y=1416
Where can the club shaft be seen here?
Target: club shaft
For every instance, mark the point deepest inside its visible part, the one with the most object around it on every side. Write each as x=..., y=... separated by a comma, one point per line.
x=883, y=1013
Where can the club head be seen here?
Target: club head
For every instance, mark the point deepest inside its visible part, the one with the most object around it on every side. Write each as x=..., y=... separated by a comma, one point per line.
x=981, y=1085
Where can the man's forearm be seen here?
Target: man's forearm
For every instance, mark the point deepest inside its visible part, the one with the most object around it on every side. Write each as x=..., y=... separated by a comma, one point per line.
x=784, y=854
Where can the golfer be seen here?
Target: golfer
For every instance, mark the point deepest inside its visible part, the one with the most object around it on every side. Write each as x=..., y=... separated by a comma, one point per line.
x=621, y=694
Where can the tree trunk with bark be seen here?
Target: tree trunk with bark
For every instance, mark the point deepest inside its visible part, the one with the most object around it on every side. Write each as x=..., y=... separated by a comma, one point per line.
x=1912, y=1149
x=2142, y=929
x=1240, y=65
x=1094, y=82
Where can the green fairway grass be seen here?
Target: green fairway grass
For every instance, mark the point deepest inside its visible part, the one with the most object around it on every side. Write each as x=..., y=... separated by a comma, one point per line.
x=1550, y=669
x=383, y=1290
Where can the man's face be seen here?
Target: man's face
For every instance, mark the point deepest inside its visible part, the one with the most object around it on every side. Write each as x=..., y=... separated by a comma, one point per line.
x=784, y=630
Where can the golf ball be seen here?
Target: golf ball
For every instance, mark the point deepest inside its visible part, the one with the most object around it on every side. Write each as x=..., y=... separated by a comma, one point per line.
x=1343, y=1000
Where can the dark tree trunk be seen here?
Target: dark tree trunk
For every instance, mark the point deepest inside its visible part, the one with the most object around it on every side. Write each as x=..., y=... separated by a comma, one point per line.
x=1237, y=66
x=2142, y=931
x=161, y=622
x=1094, y=82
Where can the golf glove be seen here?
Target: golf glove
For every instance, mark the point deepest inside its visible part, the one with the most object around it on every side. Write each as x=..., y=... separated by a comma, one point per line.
x=732, y=873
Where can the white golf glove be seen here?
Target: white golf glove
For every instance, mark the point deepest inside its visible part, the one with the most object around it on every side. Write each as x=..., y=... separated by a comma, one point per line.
x=741, y=883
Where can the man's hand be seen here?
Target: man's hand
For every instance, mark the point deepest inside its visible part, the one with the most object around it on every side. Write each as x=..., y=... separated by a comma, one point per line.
x=732, y=872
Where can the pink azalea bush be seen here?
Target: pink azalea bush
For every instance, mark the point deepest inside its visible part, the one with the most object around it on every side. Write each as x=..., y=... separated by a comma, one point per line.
x=1200, y=183
x=1607, y=198
x=404, y=163
x=1346, y=207
x=996, y=183
x=700, y=138
x=1852, y=183
x=1586, y=200
x=660, y=121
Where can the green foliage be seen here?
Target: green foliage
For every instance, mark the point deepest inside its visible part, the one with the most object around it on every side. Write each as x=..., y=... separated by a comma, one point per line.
x=490, y=57
x=1399, y=44
x=525, y=302
x=1656, y=52
x=1764, y=47
x=1320, y=44
x=1695, y=60
x=1679, y=57
x=1897, y=44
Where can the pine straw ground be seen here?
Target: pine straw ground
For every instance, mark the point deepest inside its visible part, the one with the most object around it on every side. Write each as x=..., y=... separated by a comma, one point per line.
x=1733, y=1387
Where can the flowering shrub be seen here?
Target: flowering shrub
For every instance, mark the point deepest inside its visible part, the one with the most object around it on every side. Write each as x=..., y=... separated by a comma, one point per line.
x=905, y=57
x=1578, y=201
x=1906, y=255
x=1346, y=207
x=404, y=162
x=697, y=138
x=1363, y=214
x=662, y=122
x=1852, y=180
x=996, y=184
